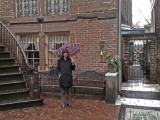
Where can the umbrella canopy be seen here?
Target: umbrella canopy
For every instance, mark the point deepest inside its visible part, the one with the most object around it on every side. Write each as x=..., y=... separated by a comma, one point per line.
x=73, y=49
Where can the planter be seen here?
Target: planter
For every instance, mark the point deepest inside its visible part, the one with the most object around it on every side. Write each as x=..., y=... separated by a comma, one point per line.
x=112, y=68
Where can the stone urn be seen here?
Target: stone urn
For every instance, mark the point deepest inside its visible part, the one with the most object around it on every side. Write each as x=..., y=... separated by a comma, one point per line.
x=112, y=68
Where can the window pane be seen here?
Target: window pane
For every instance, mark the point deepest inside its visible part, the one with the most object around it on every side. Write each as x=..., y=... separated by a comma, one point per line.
x=30, y=44
x=55, y=41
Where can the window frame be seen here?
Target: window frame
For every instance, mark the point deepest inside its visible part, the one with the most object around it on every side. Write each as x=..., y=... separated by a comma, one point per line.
x=60, y=13
x=23, y=15
x=36, y=41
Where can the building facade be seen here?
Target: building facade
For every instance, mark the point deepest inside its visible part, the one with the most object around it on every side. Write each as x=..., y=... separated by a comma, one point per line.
x=42, y=26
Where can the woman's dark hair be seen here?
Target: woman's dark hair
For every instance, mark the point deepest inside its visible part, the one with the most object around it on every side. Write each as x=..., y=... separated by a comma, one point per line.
x=65, y=51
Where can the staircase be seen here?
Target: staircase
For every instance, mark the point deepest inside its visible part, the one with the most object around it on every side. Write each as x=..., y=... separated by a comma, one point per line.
x=13, y=91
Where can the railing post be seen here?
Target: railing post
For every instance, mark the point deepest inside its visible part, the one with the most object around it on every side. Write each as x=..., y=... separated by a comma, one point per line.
x=36, y=90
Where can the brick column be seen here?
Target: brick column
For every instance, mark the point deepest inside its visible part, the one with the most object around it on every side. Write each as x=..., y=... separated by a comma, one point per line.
x=35, y=79
x=153, y=61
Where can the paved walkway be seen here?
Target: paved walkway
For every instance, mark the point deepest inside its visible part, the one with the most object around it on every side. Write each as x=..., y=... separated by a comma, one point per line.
x=85, y=107
x=140, y=100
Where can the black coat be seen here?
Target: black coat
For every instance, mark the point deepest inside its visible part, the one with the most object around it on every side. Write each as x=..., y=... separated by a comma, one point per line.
x=65, y=68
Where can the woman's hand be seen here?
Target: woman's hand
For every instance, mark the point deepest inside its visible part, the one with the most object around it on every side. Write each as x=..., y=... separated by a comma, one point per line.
x=72, y=60
x=52, y=67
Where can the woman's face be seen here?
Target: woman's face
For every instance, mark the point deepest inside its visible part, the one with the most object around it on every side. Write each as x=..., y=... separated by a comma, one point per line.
x=65, y=55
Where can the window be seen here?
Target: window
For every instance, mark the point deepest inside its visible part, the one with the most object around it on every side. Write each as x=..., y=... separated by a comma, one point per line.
x=57, y=6
x=27, y=7
x=55, y=41
x=30, y=44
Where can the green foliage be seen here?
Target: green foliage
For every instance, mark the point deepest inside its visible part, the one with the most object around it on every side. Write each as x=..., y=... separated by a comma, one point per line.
x=145, y=66
x=114, y=61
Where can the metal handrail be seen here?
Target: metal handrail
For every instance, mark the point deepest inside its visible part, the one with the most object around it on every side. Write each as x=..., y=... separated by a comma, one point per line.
x=16, y=42
x=16, y=51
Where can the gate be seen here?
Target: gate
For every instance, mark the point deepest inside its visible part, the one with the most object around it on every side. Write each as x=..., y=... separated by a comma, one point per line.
x=139, y=62
x=139, y=53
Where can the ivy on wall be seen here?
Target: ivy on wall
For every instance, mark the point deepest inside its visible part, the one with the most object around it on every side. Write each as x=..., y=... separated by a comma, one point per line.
x=4, y=20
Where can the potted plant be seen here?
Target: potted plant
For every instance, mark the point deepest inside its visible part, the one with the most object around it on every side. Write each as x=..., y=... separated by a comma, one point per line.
x=113, y=62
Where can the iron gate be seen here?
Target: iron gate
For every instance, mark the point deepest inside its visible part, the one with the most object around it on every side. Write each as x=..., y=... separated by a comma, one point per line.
x=139, y=61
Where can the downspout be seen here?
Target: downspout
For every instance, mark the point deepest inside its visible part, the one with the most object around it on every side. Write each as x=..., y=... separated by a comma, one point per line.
x=119, y=45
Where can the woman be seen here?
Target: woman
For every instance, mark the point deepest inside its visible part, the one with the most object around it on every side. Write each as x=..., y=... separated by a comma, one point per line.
x=65, y=66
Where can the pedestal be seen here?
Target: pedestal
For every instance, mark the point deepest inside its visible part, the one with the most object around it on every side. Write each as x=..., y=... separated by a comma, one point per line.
x=111, y=87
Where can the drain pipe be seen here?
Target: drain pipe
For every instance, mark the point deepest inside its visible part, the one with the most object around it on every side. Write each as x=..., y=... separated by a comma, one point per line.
x=119, y=45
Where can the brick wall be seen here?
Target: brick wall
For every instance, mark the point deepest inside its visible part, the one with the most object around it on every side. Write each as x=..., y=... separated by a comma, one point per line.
x=153, y=54
x=157, y=9
x=95, y=31
x=84, y=31
x=7, y=9
x=88, y=31
x=85, y=6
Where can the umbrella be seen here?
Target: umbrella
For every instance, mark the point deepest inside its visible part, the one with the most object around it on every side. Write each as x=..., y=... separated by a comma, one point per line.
x=73, y=49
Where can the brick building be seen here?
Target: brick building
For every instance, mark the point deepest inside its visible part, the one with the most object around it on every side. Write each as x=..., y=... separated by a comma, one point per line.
x=91, y=23
x=155, y=27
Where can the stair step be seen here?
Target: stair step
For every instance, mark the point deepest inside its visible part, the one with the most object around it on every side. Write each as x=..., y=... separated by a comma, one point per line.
x=6, y=61
x=2, y=48
x=13, y=91
x=14, y=95
x=12, y=86
x=4, y=54
x=10, y=77
x=9, y=69
x=21, y=103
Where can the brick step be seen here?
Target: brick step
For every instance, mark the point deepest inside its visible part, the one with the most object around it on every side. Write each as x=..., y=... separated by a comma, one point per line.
x=24, y=93
x=2, y=48
x=4, y=54
x=9, y=69
x=6, y=61
x=20, y=103
x=10, y=77
x=12, y=86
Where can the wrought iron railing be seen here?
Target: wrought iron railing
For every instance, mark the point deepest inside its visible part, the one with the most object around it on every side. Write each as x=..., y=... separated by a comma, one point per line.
x=16, y=51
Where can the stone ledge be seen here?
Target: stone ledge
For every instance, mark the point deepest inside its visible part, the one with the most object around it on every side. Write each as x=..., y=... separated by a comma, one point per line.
x=111, y=74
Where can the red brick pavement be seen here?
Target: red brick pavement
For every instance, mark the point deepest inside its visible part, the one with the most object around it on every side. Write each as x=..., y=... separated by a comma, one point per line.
x=85, y=107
